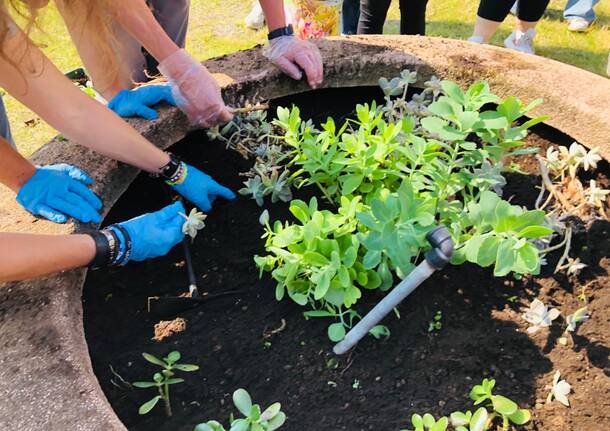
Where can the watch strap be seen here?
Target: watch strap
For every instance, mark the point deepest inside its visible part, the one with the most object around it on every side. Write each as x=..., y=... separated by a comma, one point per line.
x=279, y=32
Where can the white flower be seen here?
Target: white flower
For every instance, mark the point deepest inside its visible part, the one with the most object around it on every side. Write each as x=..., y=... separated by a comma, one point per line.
x=554, y=162
x=573, y=156
x=560, y=390
x=596, y=195
x=194, y=222
x=579, y=316
x=574, y=266
x=539, y=316
x=590, y=159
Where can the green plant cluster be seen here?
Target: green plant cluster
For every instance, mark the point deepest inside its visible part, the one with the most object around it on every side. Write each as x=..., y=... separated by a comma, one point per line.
x=388, y=179
x=254, y=419
x=497, y=406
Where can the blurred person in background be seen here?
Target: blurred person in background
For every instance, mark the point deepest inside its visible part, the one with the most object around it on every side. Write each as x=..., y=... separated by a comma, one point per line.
x=580, y=14
x=373, y=15
x=492, y=13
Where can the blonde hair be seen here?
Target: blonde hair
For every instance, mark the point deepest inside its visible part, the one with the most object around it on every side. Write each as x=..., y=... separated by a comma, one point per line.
x=94, y=16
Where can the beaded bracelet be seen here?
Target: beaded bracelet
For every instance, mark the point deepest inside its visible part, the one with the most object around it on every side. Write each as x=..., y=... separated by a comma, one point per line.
x=179, y=176
x=121, y=249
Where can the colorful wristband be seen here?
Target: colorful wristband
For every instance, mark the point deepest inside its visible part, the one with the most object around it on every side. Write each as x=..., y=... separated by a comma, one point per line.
x=179, y=176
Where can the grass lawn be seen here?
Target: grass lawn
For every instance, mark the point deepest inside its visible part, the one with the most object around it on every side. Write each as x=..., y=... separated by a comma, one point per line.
x=216, y=27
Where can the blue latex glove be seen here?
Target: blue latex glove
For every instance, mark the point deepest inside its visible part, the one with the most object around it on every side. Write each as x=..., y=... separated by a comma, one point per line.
x=136, y=102
x=154, y=234
x=201, y=189
x=57, y=192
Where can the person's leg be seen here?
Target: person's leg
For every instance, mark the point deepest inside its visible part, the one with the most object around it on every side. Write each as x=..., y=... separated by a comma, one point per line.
x=351, y=15
x=173, y=15
x=580, y=9
x=413, y=16
x=5, y=127
x=530, y=12
x=528, y=15
x=490, y=15
x=372, y=16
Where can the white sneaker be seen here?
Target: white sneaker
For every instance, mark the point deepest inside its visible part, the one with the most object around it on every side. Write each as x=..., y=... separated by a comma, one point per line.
x=578, y=24
x=476, y=39
x=255, y=19
x=522, y=42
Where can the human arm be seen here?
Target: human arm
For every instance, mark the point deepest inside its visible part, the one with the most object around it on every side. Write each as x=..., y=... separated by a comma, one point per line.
x=45, y=90
x=194, y=89
x=55, y=192
x=288, y=53
x=15, y=170
x=24, y=256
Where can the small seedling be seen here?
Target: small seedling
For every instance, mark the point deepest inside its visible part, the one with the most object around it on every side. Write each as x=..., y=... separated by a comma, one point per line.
x=356, y=384
x=428, y=423
x=255, y=420
x=380, y=331
x=194, y=223
x=581, y=315
x=539, y=315
x=436, y=324
x=163, y=380
x=498, y=405
x=559, y=390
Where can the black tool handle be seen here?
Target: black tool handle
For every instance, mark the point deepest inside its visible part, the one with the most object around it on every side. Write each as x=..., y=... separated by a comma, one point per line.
x=189, y=263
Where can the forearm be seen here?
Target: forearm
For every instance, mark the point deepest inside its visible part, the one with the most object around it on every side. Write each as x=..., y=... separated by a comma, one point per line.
x=274, y=13
x=15, y=169
x=136, y=17
x=46, y=91
x=24, y=256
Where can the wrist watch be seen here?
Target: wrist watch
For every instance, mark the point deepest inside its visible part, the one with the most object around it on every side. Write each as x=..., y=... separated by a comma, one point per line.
x=279, y=32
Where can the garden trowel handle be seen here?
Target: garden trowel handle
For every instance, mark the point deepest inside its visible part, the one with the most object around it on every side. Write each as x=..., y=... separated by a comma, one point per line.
x=189, y=266
x=436, y=258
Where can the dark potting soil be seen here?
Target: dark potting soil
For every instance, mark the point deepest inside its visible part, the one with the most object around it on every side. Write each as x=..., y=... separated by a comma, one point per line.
x=252, y=341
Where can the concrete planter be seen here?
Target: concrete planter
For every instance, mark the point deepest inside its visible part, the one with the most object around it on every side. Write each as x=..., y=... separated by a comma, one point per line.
x=46, y=379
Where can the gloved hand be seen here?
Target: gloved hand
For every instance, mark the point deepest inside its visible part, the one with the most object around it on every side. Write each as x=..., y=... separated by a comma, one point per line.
x=154, y=234
x=201, y=189
x=195, y=90
x=291, y=54
x=137, y=102
x=57, y=192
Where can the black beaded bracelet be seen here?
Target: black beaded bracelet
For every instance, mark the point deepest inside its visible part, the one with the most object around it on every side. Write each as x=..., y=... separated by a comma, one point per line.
x=102, y=250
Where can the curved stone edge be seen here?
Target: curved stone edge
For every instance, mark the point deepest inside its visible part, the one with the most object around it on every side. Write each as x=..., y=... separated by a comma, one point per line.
x=46, y=378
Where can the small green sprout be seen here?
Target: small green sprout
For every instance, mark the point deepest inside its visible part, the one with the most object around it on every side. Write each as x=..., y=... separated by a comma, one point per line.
x=436, y=324
x=255, y=420
x=380, y=331
x=428, y=423
x=466, y=421
x=356, y=384
x=499, y=405
x=163, y=380
x=580, y=316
